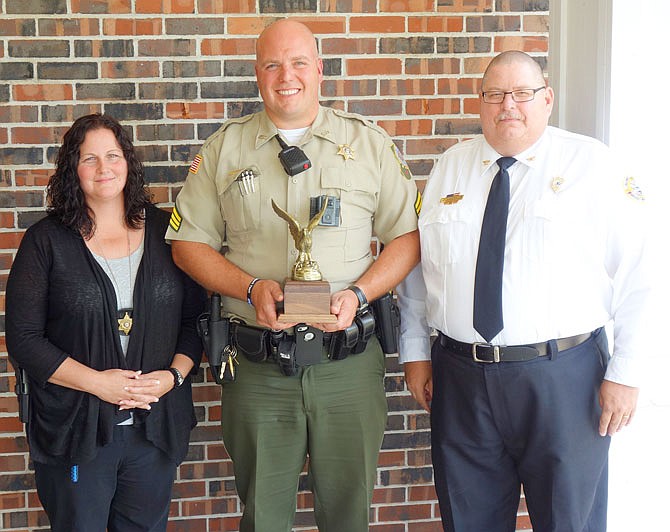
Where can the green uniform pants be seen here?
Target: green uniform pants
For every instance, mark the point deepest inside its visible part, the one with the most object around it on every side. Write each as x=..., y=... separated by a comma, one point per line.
x=333, y=412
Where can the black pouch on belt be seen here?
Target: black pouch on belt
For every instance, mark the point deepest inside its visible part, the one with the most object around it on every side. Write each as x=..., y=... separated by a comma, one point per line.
x=365, y=321
x=252, y=341
x=341, y=342
x=308, y=345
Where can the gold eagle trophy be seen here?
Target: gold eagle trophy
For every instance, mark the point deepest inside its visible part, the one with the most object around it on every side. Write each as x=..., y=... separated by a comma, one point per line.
x=306, y=293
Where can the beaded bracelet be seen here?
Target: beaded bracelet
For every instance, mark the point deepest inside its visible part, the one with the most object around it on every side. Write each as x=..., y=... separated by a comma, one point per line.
x=250, y=288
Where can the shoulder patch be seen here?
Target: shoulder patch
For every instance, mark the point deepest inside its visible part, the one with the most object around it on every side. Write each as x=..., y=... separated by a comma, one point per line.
x=404, y=169
x=632, y=189
x=195, y=165
x=175, y=219
x=418, y=202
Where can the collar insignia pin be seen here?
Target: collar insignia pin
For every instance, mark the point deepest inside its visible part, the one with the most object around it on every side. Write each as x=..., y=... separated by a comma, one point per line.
x=557, y=183
x=346, y=151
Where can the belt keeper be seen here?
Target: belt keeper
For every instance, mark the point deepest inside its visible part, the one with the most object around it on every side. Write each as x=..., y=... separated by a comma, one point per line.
x=250, y=288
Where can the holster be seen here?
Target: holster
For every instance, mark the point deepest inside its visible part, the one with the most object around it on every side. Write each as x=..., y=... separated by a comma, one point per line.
x=387, y=318
x=215, y=334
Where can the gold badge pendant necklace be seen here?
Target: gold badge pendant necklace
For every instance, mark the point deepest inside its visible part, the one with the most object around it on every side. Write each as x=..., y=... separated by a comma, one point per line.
x=126, y=321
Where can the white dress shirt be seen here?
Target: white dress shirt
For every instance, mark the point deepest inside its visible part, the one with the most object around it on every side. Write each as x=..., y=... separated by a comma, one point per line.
x=575, y=253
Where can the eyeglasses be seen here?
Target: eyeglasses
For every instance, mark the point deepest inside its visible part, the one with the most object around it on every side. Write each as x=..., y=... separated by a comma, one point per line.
x=519, y=95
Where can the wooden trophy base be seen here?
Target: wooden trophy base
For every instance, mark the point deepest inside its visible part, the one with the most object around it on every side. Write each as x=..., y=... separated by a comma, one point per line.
x=307, y=302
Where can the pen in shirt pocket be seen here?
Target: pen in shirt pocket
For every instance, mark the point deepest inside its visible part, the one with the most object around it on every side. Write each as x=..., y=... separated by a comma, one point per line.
x=74, y=474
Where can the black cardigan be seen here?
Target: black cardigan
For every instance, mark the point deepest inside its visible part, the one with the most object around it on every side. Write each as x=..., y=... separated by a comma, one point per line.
x=60, y=303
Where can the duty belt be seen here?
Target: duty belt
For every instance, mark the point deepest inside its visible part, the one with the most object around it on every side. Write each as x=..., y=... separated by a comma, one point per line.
x=488, y=354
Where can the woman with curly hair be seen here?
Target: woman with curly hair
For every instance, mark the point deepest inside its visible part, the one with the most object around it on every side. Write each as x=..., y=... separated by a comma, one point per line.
x=103, y=323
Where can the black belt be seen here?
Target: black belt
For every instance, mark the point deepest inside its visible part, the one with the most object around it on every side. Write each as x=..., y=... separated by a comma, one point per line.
x=487, y=353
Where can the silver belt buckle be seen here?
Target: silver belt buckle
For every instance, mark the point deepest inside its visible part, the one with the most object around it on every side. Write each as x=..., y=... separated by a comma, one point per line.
x=496, y=353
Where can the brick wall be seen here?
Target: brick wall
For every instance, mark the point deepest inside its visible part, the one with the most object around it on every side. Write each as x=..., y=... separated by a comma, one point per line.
x=172, y=70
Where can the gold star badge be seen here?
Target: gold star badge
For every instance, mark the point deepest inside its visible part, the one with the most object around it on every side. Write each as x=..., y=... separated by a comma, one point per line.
x=125, y=324
x=557, y=183
x=450, y=199
x=346, y=151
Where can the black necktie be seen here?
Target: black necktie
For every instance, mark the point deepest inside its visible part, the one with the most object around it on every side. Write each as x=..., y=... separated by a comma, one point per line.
x=487, y=316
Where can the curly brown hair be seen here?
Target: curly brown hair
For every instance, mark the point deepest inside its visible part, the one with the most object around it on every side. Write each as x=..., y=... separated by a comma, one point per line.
x=65, y=198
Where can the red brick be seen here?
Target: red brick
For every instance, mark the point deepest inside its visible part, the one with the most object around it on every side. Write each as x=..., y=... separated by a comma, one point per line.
x=536, y=23
x=425, y=526
x=435, y=24
x=392, y=87
x=10, y=424
x=377, y=24
x=383, y=495
x=134, y=26
x=69, y=27
x=386, y=66
x=192, y=111
x=414, y=126
x=229, y=6
x=391, y=458
x=38, y=135
x=419, y=457
x=184, y=490
x=130, y=69
x=523, y=523
x=43, y=92
x=13, y=445
x=405, y=5
x=101, y=6
x=348, y=46
x=405, y=512
x=349, y=6
x=459, y=6
x=10, y=240
x=325, y=24
x=422, y=493
x=18, y=113
x=32, y=178
x=387, y=528
x=206, y=393
x=12, y=463
x=11, y=501
x=165, y=6
x=433, y=106
x=471, y=106
x=228, y=46
x=526, y=43
x=7, y=220
x=432, y=66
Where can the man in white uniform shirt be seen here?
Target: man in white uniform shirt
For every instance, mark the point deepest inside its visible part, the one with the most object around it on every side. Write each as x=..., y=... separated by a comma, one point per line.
x=521, y=389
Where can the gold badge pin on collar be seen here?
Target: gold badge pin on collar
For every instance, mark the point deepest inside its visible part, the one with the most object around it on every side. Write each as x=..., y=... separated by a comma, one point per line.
x=346, y=151
x=557, y=183
x=450, y=199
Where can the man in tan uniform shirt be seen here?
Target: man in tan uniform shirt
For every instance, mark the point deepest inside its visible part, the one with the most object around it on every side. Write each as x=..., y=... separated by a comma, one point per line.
x=333, y=411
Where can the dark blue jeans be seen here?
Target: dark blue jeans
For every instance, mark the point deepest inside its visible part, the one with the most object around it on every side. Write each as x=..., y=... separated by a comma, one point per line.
x=125, y=488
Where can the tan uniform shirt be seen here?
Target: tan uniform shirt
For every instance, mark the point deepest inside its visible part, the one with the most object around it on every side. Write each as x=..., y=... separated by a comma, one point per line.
x=352, y=160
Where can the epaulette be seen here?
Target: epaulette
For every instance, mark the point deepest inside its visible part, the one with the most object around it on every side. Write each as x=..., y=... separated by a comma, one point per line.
x=226, y=125
x=362, y=119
